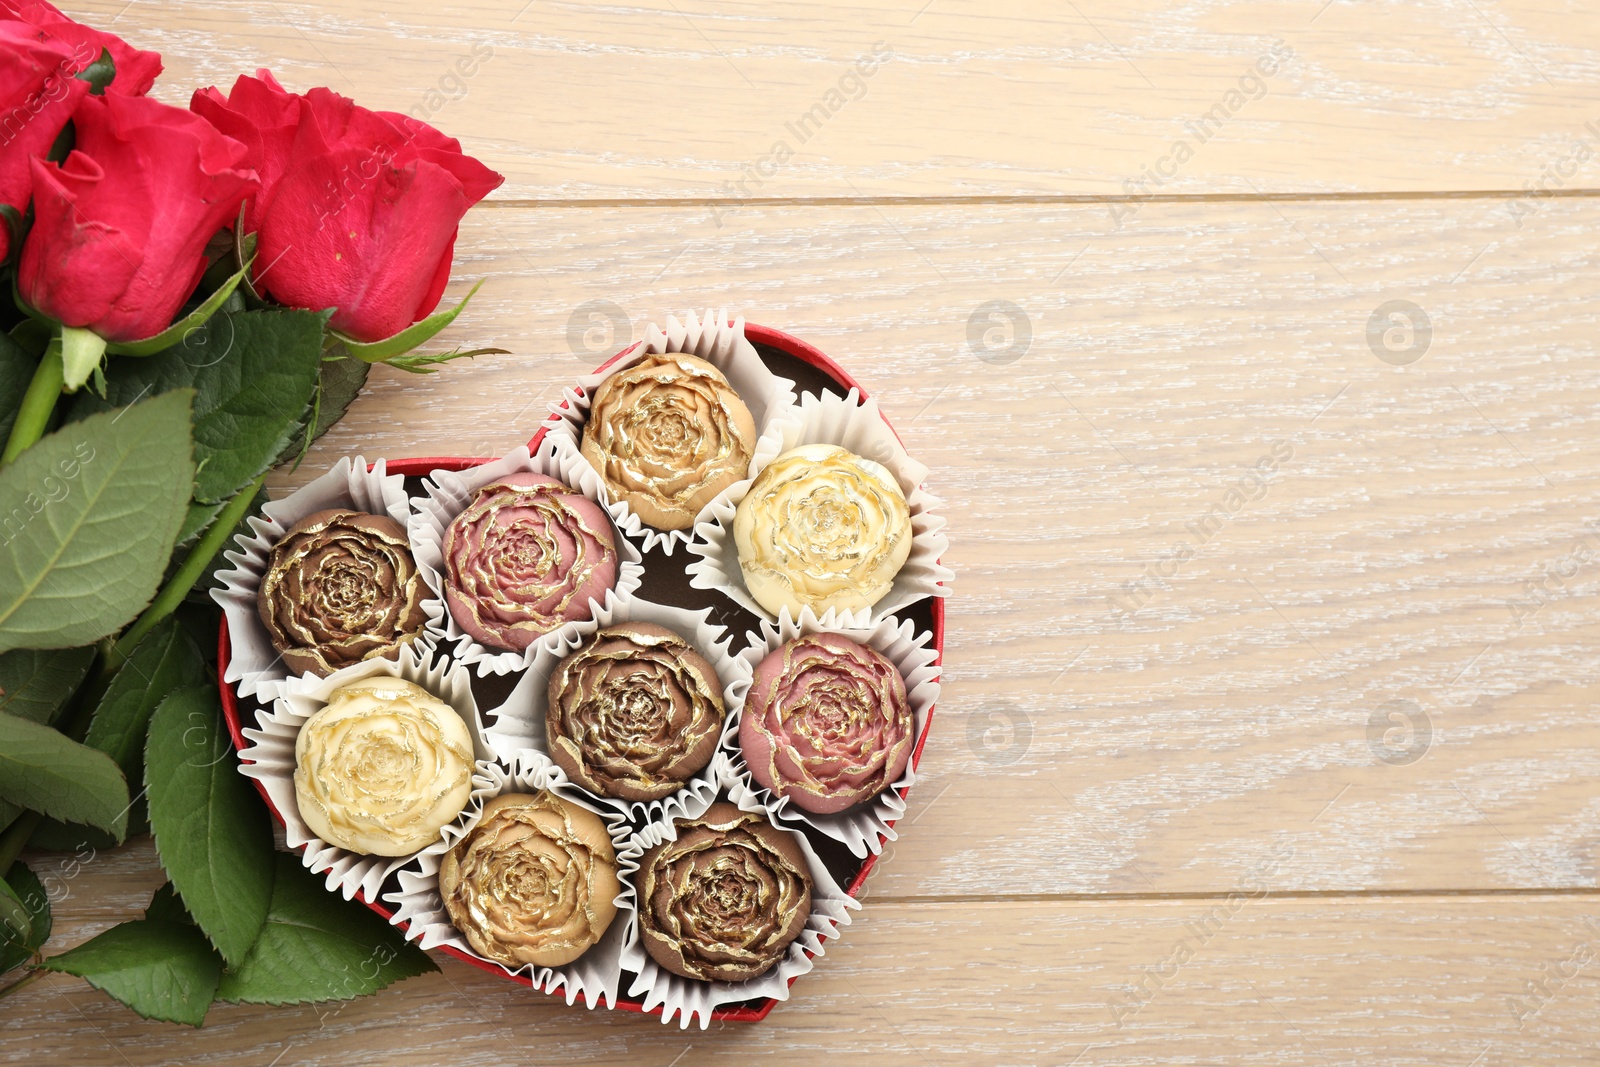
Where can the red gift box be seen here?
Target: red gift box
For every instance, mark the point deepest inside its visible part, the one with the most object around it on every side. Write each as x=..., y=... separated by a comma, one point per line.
x=769, y=343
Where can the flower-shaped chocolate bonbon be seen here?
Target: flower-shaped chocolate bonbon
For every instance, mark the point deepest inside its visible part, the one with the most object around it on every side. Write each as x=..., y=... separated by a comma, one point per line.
x=382, y=768
x=524, y=557
x=535, y=882
x=822, y=528
x=827, y=723
x=634, y=713
x=340, y=587
x=668, y=434
x=724, y=900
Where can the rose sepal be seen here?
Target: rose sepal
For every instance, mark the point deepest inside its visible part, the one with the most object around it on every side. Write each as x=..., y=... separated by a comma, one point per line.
x=424, y=364
x=244, y=251
x=417, y=333
x=81, y=353
x=28, y=309
x=164, y=340
x=11, y=219
x=99, y=74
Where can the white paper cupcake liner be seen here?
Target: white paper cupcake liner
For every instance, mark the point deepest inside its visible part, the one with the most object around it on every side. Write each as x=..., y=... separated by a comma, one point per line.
x=854, y=424
x=518, y=725
x=688, y=999
x=445, y=494
x=596, y=974
x=710, y=337
x=866, y=827
x=270, y=758
x=254, y=665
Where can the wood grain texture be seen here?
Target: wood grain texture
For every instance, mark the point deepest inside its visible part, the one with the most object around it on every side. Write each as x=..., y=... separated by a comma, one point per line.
x=1409, y=981
x=1214, y=554
x=1141, y=748
x=689, y=98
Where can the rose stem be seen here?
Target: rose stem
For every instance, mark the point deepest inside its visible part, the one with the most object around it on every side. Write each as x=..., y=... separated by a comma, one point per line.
x=15, y=839
x=37, y=403
x=21, y=983
x=194, y=564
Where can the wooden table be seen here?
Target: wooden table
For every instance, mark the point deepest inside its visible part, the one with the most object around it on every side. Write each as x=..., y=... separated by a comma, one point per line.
x=1270, y=462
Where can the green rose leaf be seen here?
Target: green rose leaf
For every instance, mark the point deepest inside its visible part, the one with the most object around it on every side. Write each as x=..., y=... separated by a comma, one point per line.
x=166, y=906
x=165, y=661
x=194, y=523
x=46, y=771
x=92, y=511
x=339, y=382
x=53, y=835
x=35, y=683
x=162, y=970
x=254, y=374
x=16, y=371
x=16, y=923
x=34, y=898
x=210, y=826
x=317, y=946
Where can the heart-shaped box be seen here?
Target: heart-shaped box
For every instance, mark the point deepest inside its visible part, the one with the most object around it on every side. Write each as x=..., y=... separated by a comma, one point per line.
x=666, y=582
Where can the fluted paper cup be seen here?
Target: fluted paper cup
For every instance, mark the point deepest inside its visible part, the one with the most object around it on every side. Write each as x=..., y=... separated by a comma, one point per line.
x=690, y=999
x=867, y=826
x=852, y=423
x=714, y=339
x=518, y=725
x=597, y=973
x=445, y=495
x=255, y=666
x=270, y=758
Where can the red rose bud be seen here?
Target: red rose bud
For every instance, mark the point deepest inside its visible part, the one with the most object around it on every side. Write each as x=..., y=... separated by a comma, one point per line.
x=359, y=209
x=37, y=96
x=262, y=116
x=120, y=228
x=136, y=69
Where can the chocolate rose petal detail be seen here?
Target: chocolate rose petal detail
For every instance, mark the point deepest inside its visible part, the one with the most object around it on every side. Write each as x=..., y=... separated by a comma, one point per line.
x=340, y=587
x=822, y=528
x=667, y=434
x=634, y=713
x=723, y=901
x=525, y=557
x=827, y=723
x=535, y=882
x=382, y=768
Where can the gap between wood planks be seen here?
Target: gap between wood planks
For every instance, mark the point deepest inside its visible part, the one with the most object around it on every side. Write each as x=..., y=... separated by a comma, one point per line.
x=1211, y=896
x=1042, y=198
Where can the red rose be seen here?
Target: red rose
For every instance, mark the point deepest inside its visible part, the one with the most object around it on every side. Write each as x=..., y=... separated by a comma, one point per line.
x=359, y=209
x=37, y=96
x=120, y=227
x=263, y=117
x=136, y=69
